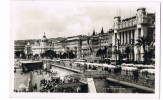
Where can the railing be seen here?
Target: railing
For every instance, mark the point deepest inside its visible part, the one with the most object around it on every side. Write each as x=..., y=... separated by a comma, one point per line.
x=129, y=23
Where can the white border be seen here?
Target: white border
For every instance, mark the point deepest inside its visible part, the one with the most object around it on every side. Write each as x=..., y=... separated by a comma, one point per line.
x=100, y=95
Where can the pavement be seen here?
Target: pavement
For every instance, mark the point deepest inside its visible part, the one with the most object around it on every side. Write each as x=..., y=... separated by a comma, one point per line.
x=20, y=78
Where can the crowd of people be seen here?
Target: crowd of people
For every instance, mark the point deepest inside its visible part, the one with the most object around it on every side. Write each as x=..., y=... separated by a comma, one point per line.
x=49, y=85
x=54, y=84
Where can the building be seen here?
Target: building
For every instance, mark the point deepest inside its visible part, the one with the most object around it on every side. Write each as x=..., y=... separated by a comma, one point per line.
x=94, y=44
x=128, y=30
x=106, y=41
x=20, y=47
x=98, y=46
x=58, y=47
x=28, y=49
x=19, y=50
x=39, y=46
x=73, y=44
x=85, y=52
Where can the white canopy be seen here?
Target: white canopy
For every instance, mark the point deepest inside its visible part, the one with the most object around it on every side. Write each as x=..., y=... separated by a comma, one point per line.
x=80, y=60
x=55, y=60
x=109, y=66
x=127, y=64
x=129, y=68
x=79, y=63
x=151, y=71
x=143, y=66
x=31, y=61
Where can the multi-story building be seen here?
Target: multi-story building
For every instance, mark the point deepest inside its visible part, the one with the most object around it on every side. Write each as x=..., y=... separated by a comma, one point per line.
x=19, y=50
x=85, y=52
x=73, y=44
x=28, y=49
x=58, y=47
x=40, y=46
x=94, y=44
x=106, y=41
x=20, y=47
x=100, y=41
x=127, y=31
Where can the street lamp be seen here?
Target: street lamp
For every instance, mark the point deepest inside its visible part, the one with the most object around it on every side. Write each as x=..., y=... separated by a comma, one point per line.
x=115, y=46
x=132, y=49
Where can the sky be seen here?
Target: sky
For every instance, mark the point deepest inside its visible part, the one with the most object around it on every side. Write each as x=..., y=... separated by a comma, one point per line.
x=30, y=19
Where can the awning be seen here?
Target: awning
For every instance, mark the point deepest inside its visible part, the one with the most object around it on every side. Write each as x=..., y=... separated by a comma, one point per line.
x=129, y=68
x=151, y=71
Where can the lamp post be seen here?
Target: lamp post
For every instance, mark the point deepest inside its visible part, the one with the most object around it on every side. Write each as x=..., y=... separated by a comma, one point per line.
x=132, y=49
x=115, y=53
x=116, y=45
x=107, y=54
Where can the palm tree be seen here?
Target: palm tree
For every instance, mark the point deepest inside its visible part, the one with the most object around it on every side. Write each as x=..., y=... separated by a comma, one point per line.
x=99, y=52
x=105, y=51
x=144, y=41
x=127, y=51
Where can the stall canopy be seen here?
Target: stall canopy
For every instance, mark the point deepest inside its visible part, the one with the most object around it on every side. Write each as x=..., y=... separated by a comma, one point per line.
x=82, y=63
x=108, y=66
x=151, y=71
x=140, y=66
x=129, y=68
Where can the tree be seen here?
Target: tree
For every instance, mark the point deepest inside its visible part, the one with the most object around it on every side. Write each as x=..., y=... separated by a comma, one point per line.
x=127, y=51
x=42, y=55
x=36, y=56
x=102, y=53
x=109, y=53
x=146, y=42
x=149, y=55
x=64, y=55
x=99, y=52
x=50, y=54
x=71, y=54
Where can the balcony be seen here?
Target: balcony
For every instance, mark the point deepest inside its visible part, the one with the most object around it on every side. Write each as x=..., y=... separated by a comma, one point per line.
x=128, y=23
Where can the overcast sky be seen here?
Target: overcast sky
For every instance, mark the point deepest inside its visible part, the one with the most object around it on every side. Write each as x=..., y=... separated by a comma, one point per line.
x=30, y=19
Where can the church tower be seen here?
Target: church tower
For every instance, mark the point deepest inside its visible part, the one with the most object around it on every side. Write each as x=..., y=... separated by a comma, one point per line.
x=44, y=43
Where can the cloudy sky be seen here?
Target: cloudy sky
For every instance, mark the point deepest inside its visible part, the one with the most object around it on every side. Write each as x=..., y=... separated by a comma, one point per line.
x=30, y=19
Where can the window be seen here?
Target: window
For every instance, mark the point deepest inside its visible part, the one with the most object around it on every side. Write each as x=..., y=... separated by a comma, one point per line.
x=139, y=32
x=115, y=35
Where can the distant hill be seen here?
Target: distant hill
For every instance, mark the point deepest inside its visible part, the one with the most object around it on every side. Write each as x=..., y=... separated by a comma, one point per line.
x=32, y=41
x=24, y=42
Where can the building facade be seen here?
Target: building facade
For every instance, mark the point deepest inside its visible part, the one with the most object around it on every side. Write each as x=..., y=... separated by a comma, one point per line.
x=127, y=31
x=106, y=42
x=73, y=44
x=39, y=46
x=85, y=52
x=58, y=47
x=94, y=45
x=19, y=50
